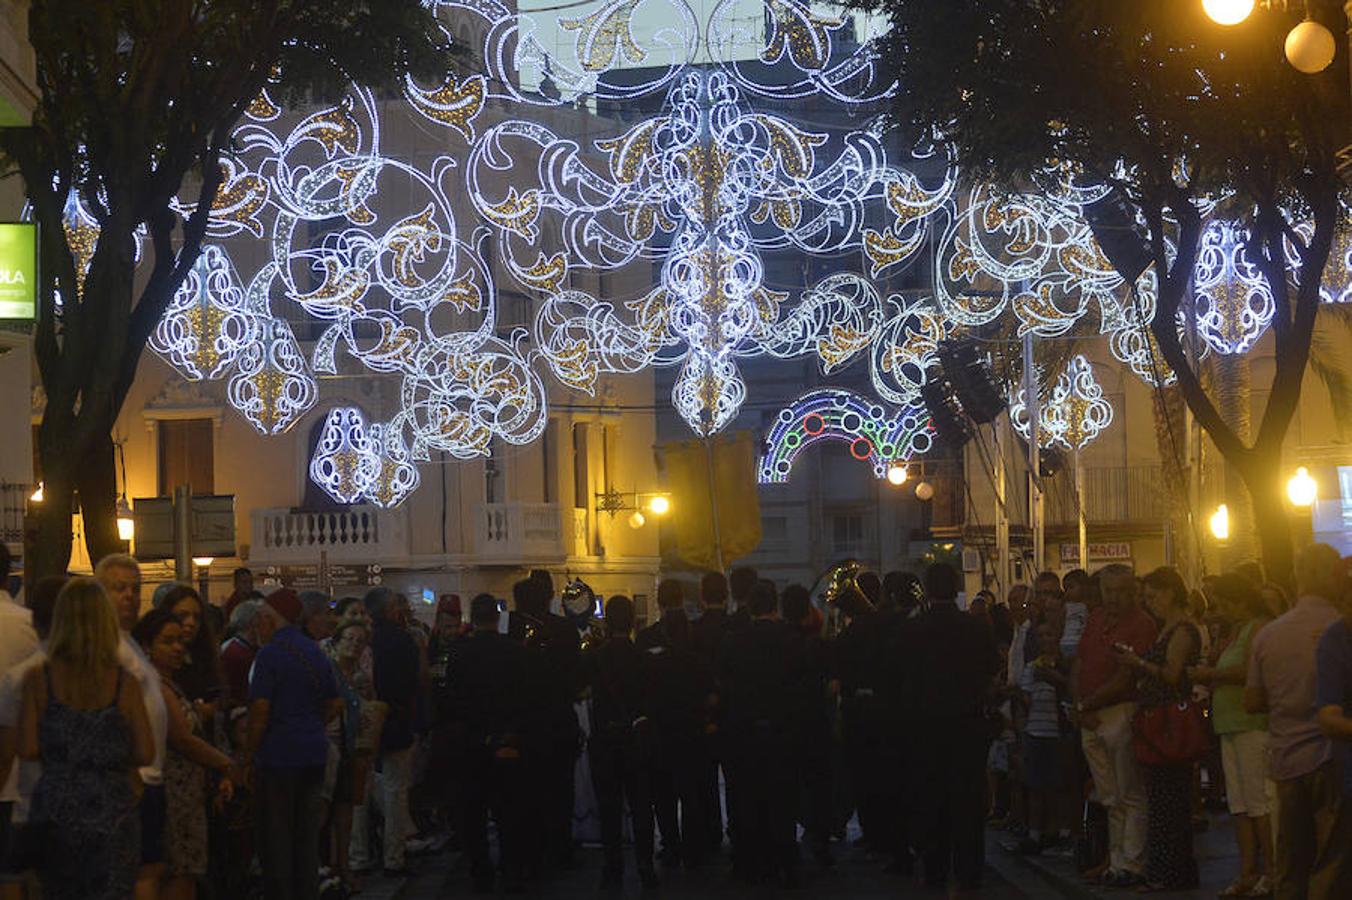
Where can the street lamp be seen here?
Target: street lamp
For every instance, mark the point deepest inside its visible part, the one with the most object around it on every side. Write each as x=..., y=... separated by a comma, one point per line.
x=924, y=491
x=637, y=520
x=1220, y=523
x=660, y=505
x=126, y=525
x=1228, y=12
x=38, y=494
x=897, y=475
x=1310, y=47
x=1302, y=490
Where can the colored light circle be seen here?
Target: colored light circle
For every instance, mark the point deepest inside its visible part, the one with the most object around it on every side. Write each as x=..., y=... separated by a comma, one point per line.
x=814, y=424
x=861, y=449
x=851, y=421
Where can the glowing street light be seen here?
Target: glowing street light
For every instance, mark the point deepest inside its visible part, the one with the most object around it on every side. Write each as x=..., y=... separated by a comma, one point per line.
x=1228, y=12
x=1302, y=490
x=126, y=525
x=659, y=505
x=1310, y=47
x=1220, y=523
x=203, y=562
x=38, y=494
x=897, y=475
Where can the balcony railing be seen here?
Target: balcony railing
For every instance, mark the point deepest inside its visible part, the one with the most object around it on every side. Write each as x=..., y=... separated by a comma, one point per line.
x=1121, y=494
x=521, y=533
x=357, y=534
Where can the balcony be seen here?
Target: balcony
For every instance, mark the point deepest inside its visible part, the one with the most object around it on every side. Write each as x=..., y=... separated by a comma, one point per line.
x=521, y=533
x=357, y=534
x=1112, y=494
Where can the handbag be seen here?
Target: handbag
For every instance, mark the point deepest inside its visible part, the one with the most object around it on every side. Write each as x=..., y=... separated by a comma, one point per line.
x=1174, y=734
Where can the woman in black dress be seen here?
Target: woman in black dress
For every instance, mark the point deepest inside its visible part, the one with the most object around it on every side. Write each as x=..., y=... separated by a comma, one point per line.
x=1162, y=679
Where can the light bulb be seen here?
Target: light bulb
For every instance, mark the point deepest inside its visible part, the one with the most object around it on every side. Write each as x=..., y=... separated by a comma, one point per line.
x=1301, y=489
x=1227, y=12
x=924, y=491
x=637, y=520
x=37, y=495
x=203, y=562
x=126, y=528
x=897, y=475
x=1310, y=47
x=659, y=505
x=1220, y=523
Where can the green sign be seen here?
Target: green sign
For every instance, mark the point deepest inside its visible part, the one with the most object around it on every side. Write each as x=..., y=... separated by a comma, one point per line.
x=18, y=270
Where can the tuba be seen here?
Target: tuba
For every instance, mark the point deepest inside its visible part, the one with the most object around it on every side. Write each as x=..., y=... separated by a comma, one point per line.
x=579, y=605
x=840, y=588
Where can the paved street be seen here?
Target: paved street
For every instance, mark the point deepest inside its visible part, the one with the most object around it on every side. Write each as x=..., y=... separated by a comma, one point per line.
x=855, y=875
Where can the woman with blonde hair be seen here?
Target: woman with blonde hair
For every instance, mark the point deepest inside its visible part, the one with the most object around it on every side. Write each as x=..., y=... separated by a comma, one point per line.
x=85, y=720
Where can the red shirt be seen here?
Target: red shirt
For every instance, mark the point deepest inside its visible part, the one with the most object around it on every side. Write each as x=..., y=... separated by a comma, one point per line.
x=1098, y=661
x=237, y=658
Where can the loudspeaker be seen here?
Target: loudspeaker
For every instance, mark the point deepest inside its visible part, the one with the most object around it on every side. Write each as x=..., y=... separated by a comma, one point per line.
x=946, y=413
x=968, y=373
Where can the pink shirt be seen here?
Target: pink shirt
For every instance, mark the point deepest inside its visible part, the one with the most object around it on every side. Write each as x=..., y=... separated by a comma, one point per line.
x=1283, y=665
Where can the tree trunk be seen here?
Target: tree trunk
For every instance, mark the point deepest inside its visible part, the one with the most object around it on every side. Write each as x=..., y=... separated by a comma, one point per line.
x=1171, y=443
x=1232, y=386
x=96, y=481
x=1272, y=521
x=48, y=540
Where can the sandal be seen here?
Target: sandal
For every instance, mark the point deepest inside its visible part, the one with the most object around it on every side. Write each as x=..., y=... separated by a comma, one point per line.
x=1261, y=888
x=1240, y=887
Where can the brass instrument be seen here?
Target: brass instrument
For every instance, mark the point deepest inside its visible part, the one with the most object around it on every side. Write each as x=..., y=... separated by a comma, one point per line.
x=579, y=604
x=840, y=588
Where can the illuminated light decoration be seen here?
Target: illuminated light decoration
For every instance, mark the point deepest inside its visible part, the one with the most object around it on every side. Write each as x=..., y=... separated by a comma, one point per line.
x=345, y=463
x=876, y=435
x=1074, y=412
x=207, y=323
x=1301, y=489
x=1234, y=305
x=1336, y=284
x=271, y=386
x=396, y=476
x=1220, y=523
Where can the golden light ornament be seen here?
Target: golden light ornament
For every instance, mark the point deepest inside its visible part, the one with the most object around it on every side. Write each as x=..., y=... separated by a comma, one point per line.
x=897, y=475
x=924, y=491
x=637, y=520
x=1310, y=47
x=659, y=505
x=1227, y=12
x=1302, y=490
x=1220, y=523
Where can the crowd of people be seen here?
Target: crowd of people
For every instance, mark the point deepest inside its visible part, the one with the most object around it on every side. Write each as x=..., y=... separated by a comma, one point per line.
x=284, y=744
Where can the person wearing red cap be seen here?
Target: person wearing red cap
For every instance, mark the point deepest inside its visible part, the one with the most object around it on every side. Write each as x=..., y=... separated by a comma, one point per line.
x=292, y=697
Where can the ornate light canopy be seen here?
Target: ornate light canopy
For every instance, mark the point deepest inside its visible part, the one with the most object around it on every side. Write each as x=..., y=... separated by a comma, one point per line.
x=875, y=435
x=633, y=169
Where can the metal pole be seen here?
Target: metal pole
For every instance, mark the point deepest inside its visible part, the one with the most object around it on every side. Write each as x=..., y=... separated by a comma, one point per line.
x=183, y=534
x=1036, y=525
x=1002, y=567
x=1079, y=512
x=713, y=504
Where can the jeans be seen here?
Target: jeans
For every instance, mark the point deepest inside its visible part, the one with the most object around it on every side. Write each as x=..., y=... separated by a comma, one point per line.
x=288, y=823
x=1314, y=837
x=396, y=777
x=1119, y=785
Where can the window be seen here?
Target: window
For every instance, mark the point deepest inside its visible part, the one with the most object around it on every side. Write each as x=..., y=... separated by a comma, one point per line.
x=187, y=455
x=581, y=481
x=491, y=475
x=775, y=529
x=847, y=534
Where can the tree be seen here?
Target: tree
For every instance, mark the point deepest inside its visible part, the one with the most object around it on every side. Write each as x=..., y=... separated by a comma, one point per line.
x=1182, y=119
x=137, y=103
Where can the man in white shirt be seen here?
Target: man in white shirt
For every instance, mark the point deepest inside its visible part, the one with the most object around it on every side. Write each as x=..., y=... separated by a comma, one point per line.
x=120, y=576
x=18, y=641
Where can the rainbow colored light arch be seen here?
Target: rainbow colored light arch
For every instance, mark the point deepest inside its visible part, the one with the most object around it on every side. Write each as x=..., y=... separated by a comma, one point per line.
x=875, y=434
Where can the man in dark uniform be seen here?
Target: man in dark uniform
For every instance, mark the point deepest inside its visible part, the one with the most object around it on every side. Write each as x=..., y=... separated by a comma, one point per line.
x=620, y=747
x=856, y=665
x=670, y=602
x=490, y=707
x=761, y=666
x=952, y=661
x=553, y=656
x=682, y=684
x=741, y=585
x=706, y=638
x=811, y=747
